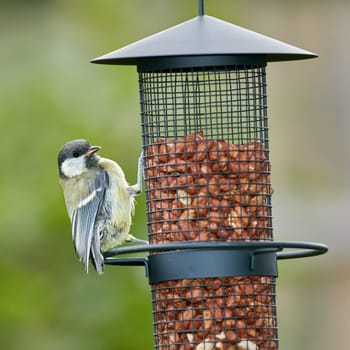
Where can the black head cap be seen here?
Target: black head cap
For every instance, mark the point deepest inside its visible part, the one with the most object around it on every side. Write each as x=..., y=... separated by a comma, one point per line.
x=73, y=149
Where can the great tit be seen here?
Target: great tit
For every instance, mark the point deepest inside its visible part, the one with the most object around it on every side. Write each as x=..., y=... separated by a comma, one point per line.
x=99, y=201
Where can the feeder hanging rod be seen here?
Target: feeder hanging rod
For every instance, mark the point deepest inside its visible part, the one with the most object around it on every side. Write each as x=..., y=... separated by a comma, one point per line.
x=201, y=7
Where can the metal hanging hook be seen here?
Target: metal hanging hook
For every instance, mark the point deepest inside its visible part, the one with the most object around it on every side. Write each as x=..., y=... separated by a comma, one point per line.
x=201, y=7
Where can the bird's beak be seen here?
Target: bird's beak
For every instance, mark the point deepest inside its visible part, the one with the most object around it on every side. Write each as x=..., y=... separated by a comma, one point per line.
x=91, y=151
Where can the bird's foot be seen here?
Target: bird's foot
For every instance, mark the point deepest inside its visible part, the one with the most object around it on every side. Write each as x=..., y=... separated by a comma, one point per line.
x=132, y=239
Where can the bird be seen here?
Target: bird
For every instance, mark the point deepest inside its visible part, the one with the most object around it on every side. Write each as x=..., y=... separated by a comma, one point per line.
x=99, y=201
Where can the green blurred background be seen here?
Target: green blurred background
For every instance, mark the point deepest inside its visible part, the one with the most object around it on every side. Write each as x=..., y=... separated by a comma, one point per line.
x=50, y=94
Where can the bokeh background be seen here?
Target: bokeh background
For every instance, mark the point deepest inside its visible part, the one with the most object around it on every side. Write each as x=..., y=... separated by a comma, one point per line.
x=50, y=94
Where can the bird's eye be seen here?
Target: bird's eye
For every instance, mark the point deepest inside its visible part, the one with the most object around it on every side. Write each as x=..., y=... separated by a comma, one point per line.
x=75, y=154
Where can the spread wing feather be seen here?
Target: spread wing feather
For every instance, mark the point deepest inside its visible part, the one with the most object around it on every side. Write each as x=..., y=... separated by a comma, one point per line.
x=85, y=236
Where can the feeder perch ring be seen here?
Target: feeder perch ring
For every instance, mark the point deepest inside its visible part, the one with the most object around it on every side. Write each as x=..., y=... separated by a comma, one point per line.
x=174, y=261
x=305, y=249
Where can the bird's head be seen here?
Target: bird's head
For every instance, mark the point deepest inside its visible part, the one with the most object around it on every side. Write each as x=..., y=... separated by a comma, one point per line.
x=75, y=157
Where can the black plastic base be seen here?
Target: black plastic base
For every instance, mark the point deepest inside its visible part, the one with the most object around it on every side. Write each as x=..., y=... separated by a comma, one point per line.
x=189, y=264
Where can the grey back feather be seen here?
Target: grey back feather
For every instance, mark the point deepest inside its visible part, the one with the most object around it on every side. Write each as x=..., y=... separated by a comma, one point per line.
x=85, y=234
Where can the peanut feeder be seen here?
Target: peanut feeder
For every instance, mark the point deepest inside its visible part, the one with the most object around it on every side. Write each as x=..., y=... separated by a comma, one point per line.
x=213, y=259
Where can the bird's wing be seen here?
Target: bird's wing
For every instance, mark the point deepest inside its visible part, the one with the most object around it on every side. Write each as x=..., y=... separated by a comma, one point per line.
x=85, y=237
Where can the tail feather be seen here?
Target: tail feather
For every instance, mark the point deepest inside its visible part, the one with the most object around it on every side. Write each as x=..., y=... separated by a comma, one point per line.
x=96, y=256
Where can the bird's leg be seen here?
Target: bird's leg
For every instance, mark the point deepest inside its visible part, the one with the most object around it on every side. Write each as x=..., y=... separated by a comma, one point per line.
x=133, y=239
x=136, y=189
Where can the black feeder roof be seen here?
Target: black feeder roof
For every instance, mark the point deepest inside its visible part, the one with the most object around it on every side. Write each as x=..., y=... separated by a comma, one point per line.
x=202, y=41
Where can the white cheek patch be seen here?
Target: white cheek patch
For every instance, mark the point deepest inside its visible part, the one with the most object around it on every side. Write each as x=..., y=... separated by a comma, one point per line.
x=73, y=166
